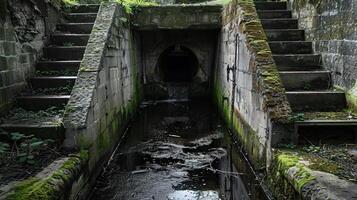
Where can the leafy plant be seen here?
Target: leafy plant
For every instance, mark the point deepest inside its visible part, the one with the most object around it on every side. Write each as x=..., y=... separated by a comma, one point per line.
x=287, y=146
x=24, y=148
x=4, y=147
x=312, y=149
x=297, y=117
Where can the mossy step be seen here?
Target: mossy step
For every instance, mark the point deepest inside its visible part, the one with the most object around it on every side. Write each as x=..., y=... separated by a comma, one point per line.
x=49, y=130
x=75, y=27
x=285, y=34
x=326, y=116
x=268, y=5
x=279, y=23
x=81, y=17
x=85, y=8
x=273, y=14
x=306, y=80
x=42, y=102
x=291, y=47
x=52, y=81
x=70, y=65
x=68, y=39
x=64, y=52
x=317, y=100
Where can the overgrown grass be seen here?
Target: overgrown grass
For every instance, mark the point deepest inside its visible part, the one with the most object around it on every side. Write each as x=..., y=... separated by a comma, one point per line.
x=129, y=5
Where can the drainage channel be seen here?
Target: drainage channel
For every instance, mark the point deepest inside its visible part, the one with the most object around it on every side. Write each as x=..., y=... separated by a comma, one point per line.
x=178, y=151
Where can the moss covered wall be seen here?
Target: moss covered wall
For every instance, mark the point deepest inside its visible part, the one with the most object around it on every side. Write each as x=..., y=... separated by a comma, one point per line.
x=107, y=90
x=260, y=107
x=332, y=26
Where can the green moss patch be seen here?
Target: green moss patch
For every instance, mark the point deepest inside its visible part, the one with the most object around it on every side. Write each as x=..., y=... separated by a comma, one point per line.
x=56, y=186
x=288, y=175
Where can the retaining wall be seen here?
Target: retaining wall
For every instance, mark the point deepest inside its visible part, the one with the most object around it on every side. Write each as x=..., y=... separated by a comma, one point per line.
x=247, y=86
x=106, y=93
x=24, y=29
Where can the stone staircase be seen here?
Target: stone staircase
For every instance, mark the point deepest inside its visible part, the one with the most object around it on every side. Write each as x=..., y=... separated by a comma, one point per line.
x=321, y=109
x=55, y=75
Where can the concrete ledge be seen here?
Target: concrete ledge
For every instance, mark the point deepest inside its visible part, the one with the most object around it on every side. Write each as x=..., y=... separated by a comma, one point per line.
x=178, y=17
x=60, y=180
x=291, y=173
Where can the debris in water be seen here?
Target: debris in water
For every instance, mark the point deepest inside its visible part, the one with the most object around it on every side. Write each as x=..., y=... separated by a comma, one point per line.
x=140, y=171
x=175, y=136
x=352, y=150
x=197, y=195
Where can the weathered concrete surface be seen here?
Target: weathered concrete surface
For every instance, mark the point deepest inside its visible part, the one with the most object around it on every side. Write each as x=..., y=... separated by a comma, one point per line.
x=23, y=33
x=178, y=17
x=291, y=173
x=252, y=99
x=332, y=26
x=106, y=92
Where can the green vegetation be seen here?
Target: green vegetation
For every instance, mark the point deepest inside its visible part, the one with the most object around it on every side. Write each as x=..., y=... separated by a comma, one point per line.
x=22, y=148
x=52, y=186
x=129, y=5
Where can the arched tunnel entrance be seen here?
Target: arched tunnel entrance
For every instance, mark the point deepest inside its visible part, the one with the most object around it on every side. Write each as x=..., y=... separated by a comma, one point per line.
x=177, y=64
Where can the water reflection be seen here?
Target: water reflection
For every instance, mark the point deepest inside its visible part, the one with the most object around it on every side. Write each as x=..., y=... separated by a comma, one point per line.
x=177, y=151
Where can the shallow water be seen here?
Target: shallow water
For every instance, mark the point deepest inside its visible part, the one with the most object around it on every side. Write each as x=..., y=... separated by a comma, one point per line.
x=176, y=151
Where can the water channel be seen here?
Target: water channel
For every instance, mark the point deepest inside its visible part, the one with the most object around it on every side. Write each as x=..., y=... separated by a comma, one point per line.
x=178, y=151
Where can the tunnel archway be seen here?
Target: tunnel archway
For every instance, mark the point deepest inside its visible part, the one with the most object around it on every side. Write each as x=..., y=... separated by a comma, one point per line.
x=177, y=64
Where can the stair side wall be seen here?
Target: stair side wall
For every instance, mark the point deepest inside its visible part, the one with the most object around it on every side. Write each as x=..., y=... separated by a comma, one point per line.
x=106, y=93
x=257, y=108
x=332, y=26
x=24, y=29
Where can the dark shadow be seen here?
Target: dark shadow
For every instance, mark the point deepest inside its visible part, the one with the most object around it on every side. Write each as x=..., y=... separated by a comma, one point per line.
x=177, y=64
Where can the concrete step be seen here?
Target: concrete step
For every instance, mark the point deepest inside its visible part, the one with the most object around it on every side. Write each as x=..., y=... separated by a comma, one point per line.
x=285, y=34
x=42, y=102
x=81, y=17
x=261, y=5
x=66, y=39
x=43, y=131
x=85, y=8
x=326, y=131
x=83, y=28
x=317, y=100
x=280, y=23
x=297, y=60
x=52, y=81
x=273, y=14
x=63, y=65
x=299, y=68
x=306, y=80
x=291, y=47
x=64, y=53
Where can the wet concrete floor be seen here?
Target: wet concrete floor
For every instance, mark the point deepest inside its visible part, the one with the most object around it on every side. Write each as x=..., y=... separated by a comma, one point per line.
x=177, y=151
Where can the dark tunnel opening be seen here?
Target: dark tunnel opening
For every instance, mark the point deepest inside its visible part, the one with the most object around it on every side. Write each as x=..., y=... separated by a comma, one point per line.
x=178, y=64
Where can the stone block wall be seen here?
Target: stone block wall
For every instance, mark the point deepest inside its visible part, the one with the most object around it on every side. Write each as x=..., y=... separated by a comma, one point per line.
x=247, y=87
x=178, y=17
x=23, y=33
x=107, y=90
x=332, y=26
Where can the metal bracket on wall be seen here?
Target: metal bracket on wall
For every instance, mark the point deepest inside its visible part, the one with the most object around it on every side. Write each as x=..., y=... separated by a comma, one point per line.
x=229, y=69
